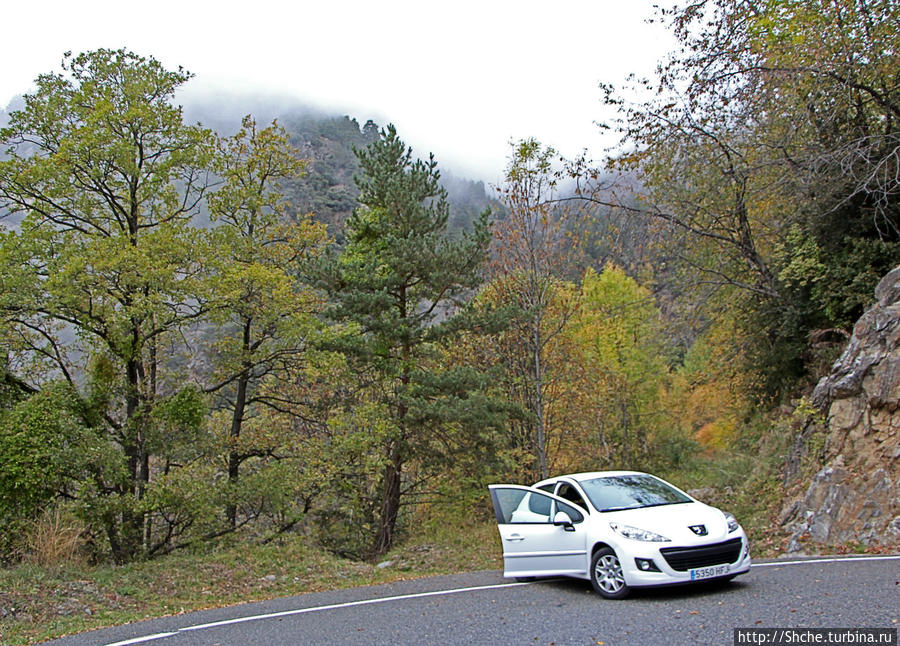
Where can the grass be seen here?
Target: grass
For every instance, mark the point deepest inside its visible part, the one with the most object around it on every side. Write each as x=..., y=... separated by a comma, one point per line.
x=39, y=603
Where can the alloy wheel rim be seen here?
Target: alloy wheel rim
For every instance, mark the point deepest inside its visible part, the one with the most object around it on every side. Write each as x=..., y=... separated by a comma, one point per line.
x=608, y=573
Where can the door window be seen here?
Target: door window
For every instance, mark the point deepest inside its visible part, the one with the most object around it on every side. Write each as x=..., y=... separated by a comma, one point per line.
x=574, y=515
x=515, y=506
x=521, y=506
x=571, y=494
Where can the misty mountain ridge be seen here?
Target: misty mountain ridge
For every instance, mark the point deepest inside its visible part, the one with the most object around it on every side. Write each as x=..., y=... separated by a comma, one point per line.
x=327, y=139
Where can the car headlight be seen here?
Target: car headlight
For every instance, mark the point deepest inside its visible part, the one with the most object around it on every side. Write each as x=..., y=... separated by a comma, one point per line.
x=637, y=534
x=732, y=522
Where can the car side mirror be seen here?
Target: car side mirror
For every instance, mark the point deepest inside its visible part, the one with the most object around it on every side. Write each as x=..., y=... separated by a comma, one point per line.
x=562, y=520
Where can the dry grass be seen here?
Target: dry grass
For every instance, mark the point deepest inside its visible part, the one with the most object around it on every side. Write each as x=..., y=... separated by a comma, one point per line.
x=54, y=540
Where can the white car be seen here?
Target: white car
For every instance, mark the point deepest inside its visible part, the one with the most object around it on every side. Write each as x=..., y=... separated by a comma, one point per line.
x=619, y=529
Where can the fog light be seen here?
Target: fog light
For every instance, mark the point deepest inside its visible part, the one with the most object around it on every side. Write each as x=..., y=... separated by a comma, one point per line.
x=646, y=565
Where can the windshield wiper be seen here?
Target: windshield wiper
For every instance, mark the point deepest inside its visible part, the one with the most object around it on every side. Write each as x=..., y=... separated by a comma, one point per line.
x=661, y=504
x=654, y=504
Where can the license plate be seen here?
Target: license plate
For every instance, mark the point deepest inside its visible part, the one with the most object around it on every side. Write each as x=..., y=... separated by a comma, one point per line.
x=709, y=572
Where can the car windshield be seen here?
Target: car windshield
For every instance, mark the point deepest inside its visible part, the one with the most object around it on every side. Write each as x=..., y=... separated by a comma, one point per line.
x=614, y=493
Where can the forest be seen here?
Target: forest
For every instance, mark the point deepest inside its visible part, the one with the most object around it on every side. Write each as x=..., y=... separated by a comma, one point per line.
x=246, y=331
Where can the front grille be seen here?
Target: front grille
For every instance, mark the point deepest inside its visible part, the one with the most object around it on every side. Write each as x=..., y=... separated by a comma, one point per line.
x=688, y=558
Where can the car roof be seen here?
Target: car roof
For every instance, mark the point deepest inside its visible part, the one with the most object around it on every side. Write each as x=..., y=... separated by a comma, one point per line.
x=589, y=475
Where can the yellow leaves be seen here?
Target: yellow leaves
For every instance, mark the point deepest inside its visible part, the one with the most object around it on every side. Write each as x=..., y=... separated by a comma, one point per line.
x=718, y=434
x=708, y=394
x=603, y=360
x=620, y=322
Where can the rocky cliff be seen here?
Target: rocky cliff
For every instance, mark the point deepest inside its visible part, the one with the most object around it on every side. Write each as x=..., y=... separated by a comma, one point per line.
x=855, y=495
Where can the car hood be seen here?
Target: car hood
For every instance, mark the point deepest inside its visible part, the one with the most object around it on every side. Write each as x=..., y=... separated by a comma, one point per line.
x=675, y=521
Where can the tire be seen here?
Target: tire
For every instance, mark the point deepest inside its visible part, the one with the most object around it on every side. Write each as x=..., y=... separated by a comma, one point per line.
x=526, y=579
x=606, y=575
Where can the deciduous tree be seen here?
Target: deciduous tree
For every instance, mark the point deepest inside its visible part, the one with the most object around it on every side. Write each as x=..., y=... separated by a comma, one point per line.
x=533, y=252
x=620, y=334
x=107, y=177
x=264, y=315
x=768, y=153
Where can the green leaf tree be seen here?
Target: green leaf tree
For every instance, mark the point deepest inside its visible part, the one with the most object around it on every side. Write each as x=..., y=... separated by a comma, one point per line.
x=43, y=449
x=265, y=317
x=107, y=177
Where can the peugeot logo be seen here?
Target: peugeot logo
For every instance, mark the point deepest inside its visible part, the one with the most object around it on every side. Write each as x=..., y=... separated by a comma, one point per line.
x=699, y=530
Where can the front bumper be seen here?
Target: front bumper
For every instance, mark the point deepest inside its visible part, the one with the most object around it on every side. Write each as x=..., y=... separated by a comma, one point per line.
x=687, y=572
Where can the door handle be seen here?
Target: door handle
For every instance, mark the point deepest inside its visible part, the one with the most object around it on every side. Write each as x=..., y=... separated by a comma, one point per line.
x=515, y=537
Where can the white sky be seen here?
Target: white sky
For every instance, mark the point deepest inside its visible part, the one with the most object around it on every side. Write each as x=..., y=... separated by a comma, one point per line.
x=459, y=78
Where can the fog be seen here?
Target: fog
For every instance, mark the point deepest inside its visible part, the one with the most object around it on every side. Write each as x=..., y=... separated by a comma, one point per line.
x=459, y=79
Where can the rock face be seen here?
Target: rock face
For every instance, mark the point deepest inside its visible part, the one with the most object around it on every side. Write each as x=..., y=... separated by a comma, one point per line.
x=855, y=497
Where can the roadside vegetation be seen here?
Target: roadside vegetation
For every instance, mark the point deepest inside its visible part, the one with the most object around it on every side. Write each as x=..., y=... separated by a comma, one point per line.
x=57, y=591
x=39, y=602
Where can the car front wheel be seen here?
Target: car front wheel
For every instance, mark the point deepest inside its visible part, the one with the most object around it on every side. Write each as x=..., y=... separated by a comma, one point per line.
x=606, y=574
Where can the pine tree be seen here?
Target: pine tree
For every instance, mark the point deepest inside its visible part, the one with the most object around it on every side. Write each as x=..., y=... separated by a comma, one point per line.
x=401, y=283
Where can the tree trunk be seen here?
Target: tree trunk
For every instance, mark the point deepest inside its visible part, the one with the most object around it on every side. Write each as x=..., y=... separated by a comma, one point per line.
x=131, y=537
x=390, y=502
x=393, y=471
x=539, y=399
x=234, y=456
x=237, y=421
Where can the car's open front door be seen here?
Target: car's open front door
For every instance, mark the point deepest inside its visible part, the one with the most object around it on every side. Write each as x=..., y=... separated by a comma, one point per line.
x=537, y=540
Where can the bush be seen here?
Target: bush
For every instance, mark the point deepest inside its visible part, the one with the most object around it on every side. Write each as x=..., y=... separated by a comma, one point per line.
x=41, y=442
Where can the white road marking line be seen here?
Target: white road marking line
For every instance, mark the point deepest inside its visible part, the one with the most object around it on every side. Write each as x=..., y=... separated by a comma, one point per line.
x=300, y=611
x=349, y=604
x=435, y=593
x=834, y=559
x=140, y=640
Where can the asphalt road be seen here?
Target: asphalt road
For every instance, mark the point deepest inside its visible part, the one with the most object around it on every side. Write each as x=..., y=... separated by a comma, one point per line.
x=483, y=608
